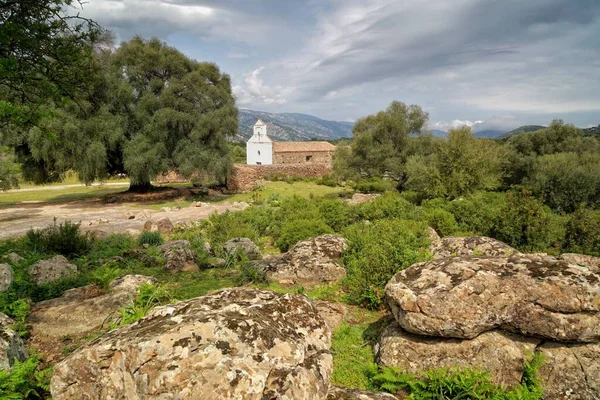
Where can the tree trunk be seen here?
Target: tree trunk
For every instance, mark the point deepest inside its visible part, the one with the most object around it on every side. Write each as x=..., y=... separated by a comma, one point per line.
x=143, y=187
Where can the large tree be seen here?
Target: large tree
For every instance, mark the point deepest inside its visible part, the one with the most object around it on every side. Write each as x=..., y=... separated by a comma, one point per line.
x=382, y=142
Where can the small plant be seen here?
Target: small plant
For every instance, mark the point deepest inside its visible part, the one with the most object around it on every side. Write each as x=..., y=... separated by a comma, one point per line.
x=105, y=274
x=19, y=310
x=294, y=231
x=63, y=238
x=150, y=238
x=252, y=273
x=25, y=380
x=148, y=296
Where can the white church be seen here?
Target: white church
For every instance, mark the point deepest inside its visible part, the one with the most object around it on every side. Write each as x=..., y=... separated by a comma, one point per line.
x=262, y=150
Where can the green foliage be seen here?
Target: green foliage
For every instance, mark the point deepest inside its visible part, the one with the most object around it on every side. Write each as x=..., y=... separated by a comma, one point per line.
x=327, y=180
x=566, y=181
x=583, y=233
x=524, y=223
x=372, y=185
x=25, y=380
x=353, y=361
x=441, y=220
x=296, y=230
x=377, y=251
x=63, y=238
x=335, y=213
x=456, y=383
x=150, y=238
x=148, y=296
x=19, y=310
x=251, y=273
x=387, y=206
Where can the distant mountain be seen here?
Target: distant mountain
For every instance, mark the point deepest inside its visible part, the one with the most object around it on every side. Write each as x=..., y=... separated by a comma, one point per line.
x=293, y=126
x=489, y=133
x=593, y=131
x=522, y=129
x=438, y=133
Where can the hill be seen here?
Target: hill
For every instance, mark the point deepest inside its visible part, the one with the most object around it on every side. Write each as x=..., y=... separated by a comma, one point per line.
x=593, y=131
x=293, y=126
x=522, y=129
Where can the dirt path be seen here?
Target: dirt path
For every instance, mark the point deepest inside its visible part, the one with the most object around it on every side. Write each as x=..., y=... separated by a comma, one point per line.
x=97, y=216
x=62, y=187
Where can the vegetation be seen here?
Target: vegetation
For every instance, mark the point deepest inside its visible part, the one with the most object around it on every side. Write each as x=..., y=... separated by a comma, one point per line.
x=25, y=380
x=150, y=238
x=63, y=238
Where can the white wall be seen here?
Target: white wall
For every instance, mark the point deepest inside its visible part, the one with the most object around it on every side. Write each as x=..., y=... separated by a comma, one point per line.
x=252, y=152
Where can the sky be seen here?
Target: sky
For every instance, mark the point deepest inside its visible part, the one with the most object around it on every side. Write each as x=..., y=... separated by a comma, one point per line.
x=490, y=64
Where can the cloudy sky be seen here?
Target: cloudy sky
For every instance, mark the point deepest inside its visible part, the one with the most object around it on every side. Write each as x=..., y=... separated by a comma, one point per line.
x=501, y=63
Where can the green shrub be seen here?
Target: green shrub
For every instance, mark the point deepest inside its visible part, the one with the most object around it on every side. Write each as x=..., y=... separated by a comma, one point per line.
x=63, y=238
x=373, y=185
x=327, y=180
x=148, y=296
x=387, y=206
x=19, y=310
x=524, y=223
x=229, y=225
x=376, y=252
x=111, y=246
x=477, y=214
x=583, y=233
x=296, y=230
x=150, y=238
x=25, y=380
x=441, y=220
x=457, y=383
x=105, y=274
x=335, y=213
x=251, y=273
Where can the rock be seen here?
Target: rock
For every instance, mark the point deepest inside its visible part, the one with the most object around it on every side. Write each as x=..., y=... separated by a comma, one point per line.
x=342, y=393
x=163, y=225
x=309, y=262
x=453, y=246
x=142, y=255
x=581, y=259
x=501, y=353
x=218, y=262
x=333, y=313
x=133, y=232
x=6, y=277
x=129, y=215
x=358, y=198
x=207, y=248
x=11, y=345
x=231, y=344
x=464, y=296
x=13, y=258
x=79, y=312
x=57, y=267
x=433, y=236
x=244, y=245
x=165, y=209
x=570, y=371
x=179, y=256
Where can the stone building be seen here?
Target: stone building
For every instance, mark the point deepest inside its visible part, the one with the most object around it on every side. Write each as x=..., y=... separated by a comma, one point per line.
x=262, y=150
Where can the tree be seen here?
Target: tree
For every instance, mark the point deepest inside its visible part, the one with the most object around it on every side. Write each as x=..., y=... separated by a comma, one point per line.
x=177, y=111
x=381, y=141
x=459, y=165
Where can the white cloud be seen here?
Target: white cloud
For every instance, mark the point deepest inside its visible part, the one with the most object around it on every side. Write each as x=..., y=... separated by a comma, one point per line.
x=255, y=92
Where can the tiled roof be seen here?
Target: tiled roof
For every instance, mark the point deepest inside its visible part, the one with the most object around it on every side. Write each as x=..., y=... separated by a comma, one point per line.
x=290, y=147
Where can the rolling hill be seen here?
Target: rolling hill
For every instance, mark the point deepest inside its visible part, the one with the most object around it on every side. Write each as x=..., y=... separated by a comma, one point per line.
x=593, y=131
x=293, y=126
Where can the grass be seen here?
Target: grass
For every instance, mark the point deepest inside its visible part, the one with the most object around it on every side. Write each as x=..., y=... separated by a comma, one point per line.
x=281, y=190
x=45, y=194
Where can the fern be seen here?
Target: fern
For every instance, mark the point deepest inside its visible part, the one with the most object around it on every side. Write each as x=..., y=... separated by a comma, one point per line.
x=148, y=296
x=25, y=380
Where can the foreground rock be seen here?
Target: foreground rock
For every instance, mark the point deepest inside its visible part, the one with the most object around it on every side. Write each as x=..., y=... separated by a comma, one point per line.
x=591, y=262
x=163, y=225
x=242, y=245
x=79, y=312
x=502, y=354
x=231, y=344
x=332, y=312
x=179, y=256
x=309, y=262
x=341, y=393
x=571, y=371
x=46, y=271
x=454, y=246
x=6, y=277
x=462, y=297
x=11, y=345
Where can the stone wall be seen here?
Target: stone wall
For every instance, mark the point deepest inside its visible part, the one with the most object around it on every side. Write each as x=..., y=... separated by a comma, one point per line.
x=303, y=157
x=244, y=178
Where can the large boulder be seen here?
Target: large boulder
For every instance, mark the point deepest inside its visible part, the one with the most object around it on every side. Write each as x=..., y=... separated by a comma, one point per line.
x=163, y=225
x=342, y=393
x=570, y=371
x=11, y=345
x=309, y=262
x=501, y=353
x=581, y=259
x=6, y=277
x=231, y=344
x=454, y=246
x=46, y=271
x=242, y=245
x=179, y=256
x=359, y=198
x=332, y=312
x=464, y=296
x=78, y=313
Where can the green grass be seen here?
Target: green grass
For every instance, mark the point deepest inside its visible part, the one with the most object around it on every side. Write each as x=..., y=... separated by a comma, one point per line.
x=283, y=189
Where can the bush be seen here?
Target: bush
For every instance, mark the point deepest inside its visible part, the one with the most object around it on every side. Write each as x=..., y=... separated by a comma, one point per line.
x=441, y=220
x=456, y=383
x=373, y=185
x=111, y=246
x=150, y=238
x=229, y=225
x=376, y=252
x=64, y=239
x=25, y=380
x=251, y=273
x=582, y=233
x=148, y=296
x=335, y=213
x=327, y=180
x=477, y=213
x=387, y=206
x=296, y=230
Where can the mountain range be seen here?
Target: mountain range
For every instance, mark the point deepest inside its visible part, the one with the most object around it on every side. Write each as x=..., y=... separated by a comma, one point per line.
x=293, y=126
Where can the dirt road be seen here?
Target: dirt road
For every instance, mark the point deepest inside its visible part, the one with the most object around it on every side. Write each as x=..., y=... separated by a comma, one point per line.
x=95, y=215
